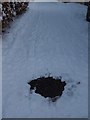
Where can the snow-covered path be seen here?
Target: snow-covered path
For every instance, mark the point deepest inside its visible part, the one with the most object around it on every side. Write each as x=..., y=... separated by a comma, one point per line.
x=48, y=38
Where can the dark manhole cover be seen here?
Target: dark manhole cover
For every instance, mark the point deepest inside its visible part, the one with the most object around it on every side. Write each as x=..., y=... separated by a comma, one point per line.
x=48, y=87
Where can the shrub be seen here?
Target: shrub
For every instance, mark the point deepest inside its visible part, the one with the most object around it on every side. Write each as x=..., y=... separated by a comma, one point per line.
x=10, y=10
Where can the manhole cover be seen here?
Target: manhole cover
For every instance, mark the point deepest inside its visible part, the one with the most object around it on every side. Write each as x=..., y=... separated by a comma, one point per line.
x=48, y=87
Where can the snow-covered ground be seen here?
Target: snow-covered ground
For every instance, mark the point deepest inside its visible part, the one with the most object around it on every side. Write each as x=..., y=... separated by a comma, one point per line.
x=48, y=38
x=48, y=0
x=0, y=76
x=58, y=0
x=44, y=0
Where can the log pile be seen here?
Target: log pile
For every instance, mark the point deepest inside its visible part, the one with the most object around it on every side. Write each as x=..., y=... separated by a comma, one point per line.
x=10, y=10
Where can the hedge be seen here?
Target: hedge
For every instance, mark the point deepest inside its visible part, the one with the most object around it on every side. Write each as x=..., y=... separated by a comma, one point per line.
x=10, y=10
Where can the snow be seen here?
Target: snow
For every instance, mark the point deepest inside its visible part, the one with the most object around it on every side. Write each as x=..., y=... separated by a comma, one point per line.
x=44, y=1
x=0, y=77
x=58, y=0
x=48, y=38
x=48, y=0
